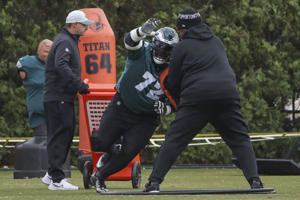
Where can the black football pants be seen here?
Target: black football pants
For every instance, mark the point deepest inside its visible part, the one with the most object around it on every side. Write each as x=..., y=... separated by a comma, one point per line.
x=225, y=116
x=118, y=121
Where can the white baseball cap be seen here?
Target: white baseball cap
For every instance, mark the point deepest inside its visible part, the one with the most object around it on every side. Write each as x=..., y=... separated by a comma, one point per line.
x=78, y=16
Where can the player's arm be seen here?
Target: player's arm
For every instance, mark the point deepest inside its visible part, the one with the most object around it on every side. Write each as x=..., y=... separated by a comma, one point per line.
x=22, y=74
x=20, y=69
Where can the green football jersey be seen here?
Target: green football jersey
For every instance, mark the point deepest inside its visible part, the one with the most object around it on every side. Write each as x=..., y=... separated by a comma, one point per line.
x=139, y=85
x=34, y=85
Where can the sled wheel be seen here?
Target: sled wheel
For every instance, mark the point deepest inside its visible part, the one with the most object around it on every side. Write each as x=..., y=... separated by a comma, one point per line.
x=87, y=172
x=136, y=175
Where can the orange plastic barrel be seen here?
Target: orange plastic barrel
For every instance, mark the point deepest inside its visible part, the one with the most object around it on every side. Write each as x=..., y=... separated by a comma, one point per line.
x=98, y=61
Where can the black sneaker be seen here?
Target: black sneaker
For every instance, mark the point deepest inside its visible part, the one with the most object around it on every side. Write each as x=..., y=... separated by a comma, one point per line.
x=151, y=187
x=256, y=183
x=100, y=186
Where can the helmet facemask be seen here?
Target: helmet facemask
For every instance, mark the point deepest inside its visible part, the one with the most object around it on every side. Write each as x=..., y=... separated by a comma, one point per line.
x=162, y=45
x=161, y=52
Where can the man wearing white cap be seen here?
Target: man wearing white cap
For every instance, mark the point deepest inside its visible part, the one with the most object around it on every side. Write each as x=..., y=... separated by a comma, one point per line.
x=63, y=81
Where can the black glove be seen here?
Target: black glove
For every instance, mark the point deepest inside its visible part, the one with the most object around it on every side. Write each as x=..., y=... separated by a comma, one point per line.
x=162, y=108
x=84, y=88
x=148, y=27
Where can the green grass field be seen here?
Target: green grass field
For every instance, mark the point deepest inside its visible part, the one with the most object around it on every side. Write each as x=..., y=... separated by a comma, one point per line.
x=287, y=187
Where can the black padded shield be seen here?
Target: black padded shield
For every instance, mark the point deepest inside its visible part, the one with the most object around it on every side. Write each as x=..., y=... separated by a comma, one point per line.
x=194, y=192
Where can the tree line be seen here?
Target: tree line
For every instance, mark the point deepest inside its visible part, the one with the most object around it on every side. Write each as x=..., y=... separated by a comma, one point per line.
x=262, y=40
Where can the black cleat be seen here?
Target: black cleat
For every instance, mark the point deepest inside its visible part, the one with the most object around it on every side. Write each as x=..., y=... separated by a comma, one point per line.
x=100, y=186
x=151, y=187
x=256, y=183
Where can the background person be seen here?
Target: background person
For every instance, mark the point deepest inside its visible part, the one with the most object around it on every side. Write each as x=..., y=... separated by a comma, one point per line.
x=63, y=81
x=133, y=113
x=201, y=78
x=31, y=70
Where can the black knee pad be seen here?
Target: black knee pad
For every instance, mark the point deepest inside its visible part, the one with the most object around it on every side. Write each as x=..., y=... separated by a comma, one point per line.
x=97, y=144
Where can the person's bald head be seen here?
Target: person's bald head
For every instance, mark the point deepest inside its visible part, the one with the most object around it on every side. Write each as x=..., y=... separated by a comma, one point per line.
x=43, y=49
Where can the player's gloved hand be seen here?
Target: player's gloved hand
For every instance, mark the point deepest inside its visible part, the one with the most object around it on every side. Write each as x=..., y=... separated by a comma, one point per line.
x=84, y=88
x=162, y=108
x=147, y=29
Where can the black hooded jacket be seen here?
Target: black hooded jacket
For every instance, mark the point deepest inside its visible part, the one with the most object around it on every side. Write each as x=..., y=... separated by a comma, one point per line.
x=199, y=69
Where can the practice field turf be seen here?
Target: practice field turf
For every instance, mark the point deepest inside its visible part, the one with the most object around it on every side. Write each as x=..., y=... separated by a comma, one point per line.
x=287, y=187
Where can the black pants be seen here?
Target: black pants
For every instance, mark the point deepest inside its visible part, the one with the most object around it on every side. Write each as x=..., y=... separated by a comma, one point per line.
x=225, y=116
x=118, y=121
x=40, y=130
x=60, y=118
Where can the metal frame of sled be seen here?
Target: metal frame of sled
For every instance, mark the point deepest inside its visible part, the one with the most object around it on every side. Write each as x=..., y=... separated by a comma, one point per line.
x=284, y=166
x=157, y=140
x=194, y=192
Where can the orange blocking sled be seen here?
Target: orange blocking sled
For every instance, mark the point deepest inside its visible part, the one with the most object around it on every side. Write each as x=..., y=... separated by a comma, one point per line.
x=98, y=60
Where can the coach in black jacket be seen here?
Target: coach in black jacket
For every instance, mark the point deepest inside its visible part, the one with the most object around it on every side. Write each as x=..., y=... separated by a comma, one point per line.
x=201, y=79
x=63, y=81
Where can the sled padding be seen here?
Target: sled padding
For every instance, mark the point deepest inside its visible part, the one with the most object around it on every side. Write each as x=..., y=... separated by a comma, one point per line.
x=194, y=192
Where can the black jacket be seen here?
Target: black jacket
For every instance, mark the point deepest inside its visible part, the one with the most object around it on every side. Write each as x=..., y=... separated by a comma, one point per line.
x=199, y=69
x=63, y=69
